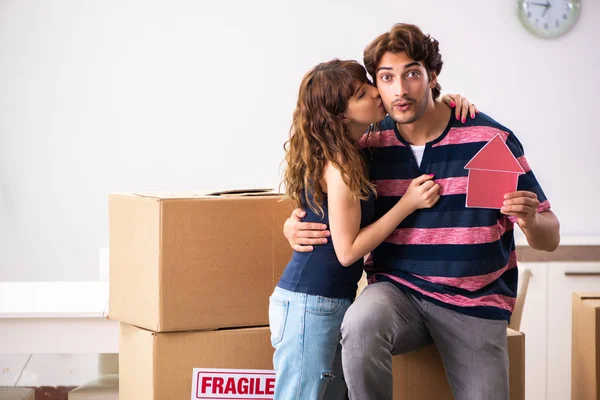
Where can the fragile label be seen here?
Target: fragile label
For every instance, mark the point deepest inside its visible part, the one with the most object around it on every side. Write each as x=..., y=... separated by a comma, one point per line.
x=232, y=384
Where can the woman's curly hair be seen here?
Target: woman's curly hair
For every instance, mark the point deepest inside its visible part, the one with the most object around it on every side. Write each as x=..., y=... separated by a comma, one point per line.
x=318, y=135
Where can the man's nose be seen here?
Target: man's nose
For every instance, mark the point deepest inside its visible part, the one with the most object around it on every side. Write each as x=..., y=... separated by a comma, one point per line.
x=397, y=88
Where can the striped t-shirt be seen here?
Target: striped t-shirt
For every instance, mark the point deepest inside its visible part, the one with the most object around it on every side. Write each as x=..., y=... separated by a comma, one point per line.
x=457, y=257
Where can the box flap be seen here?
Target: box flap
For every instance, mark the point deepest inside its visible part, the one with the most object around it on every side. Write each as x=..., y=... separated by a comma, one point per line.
x=206, y=194
x=588, y=295
x=242, y=192
x=169, y=195
x=512, y=332
x=152, y=332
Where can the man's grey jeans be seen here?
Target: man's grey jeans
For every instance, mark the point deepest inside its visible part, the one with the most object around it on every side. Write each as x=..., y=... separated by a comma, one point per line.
x=385, y=321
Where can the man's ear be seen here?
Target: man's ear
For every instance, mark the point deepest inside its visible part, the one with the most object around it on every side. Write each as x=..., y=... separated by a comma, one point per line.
x=432, y=80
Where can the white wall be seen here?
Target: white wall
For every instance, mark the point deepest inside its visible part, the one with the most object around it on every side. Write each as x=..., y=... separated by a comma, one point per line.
x=109, y=96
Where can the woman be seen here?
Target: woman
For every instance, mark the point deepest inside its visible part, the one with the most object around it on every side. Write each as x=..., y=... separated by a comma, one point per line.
x=326, y=176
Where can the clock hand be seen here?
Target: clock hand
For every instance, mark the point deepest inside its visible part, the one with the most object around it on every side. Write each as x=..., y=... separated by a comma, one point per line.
x=548, y=5
x=540, y=4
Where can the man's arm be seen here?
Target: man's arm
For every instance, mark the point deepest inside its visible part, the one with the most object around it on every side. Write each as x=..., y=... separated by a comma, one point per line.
x=303, y=235
x=544, y=233
x=542, y=230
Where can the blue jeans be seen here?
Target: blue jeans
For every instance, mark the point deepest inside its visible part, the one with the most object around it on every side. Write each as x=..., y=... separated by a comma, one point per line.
x=305, y=332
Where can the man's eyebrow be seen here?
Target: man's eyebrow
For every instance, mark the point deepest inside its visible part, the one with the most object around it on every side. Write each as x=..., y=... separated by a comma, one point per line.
x=412, y=64
x=384, y=68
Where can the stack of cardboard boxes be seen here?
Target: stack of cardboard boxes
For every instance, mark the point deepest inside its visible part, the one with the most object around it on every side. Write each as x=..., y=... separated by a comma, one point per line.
x=190, y=278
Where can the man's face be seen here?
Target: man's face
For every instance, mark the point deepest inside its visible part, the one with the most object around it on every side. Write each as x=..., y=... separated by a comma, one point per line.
x=404, y=86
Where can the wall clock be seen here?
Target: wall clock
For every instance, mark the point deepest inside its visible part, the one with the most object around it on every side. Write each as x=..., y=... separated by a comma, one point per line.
x=548, y=18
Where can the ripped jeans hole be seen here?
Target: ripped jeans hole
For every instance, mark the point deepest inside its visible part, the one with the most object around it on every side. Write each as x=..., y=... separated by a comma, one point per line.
x=328, y=375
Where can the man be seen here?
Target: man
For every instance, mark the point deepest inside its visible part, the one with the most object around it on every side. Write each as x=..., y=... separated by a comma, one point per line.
x=447, y=274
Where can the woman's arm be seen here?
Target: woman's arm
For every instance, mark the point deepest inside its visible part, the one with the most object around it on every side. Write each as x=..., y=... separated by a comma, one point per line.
x=352, y=243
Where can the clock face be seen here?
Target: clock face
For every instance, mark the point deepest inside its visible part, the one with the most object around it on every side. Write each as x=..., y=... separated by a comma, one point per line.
x=549, y=18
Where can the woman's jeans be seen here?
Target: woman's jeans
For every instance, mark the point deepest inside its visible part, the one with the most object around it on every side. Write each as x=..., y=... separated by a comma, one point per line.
x=305, y=332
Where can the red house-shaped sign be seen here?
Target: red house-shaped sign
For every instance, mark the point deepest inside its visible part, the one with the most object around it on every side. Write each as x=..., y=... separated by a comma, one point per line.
x=493, y=172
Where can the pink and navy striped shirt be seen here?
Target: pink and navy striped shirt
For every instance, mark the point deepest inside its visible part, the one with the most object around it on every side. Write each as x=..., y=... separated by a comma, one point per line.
x=457, y=257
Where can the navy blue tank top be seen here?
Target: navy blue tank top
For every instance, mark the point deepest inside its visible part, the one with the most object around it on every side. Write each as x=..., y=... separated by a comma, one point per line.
x=319, y=272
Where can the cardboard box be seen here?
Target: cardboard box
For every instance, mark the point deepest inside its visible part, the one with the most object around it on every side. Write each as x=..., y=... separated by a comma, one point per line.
x=420, y=375
x=159, y=366
x=191, y=262
x=585, y=345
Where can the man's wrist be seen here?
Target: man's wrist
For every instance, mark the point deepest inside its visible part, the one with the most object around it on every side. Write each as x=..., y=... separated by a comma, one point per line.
x=531, y=223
